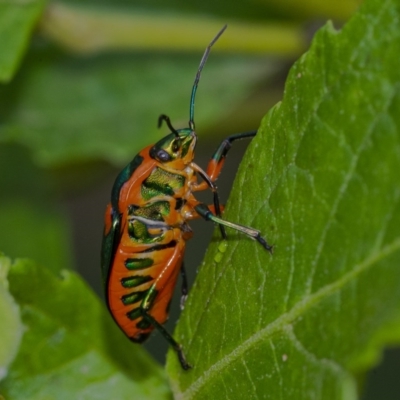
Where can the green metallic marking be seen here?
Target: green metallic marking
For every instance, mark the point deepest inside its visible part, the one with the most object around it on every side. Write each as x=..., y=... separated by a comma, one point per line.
x=186, y=143
x=139, y=231
x=133, y=298
x=133, y=281
x=154, y=211
x=161, y=182
x=123, y=177
x=134, y=314
x=138, y=263
x=109, y=246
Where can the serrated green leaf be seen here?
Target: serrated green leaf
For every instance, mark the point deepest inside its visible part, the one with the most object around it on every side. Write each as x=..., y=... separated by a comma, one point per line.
x=11, y=331
x=17, y=20
x=71, y=348
x=321, y=182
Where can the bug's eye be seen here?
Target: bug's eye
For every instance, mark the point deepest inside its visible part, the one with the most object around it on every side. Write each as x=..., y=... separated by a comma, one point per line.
x=162, y=155
x=175, y=147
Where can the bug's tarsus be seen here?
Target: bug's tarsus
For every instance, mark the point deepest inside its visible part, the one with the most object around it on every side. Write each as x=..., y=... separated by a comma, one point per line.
x=198, y=74
x=264, y=243
x=167, y=120
x=182, y=359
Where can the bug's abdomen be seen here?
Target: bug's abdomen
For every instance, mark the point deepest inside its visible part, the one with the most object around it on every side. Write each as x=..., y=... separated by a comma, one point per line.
x=143, y=275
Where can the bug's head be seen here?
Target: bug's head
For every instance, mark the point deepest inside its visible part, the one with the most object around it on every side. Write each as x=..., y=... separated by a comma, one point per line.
x=176, y=149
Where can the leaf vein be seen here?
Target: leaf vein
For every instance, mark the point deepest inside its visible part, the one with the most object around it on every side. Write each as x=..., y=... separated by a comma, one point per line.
x=285, y=319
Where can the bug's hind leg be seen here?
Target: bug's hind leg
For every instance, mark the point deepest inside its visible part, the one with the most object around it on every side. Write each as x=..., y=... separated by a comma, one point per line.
x=205, y=212
x=174, y=344
x=184, y=287
x=149, y=320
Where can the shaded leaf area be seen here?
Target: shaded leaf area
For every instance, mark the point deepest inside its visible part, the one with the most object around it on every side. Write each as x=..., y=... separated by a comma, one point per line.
x=321, y=182
x=17, y=20
x=32, y=225
x=71, y=349
x=98, y=29
x=11, y=331
x=69, y=109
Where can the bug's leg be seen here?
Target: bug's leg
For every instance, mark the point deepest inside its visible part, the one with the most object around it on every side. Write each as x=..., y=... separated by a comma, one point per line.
x=216, y=163
x=184, y=287
x=147, y=318
x=214, y=169
x=205, y=212
x=207, y=182
x=218, y=158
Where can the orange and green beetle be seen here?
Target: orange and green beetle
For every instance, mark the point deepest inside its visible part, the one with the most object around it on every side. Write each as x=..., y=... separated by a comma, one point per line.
x=146, y=226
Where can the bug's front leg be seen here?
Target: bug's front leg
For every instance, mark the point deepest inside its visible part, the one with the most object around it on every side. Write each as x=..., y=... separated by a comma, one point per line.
x=206, y=213
x=217, y=161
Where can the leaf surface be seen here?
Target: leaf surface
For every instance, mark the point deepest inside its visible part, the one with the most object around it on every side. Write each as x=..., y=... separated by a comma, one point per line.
x=320, y=181
x=71, y=349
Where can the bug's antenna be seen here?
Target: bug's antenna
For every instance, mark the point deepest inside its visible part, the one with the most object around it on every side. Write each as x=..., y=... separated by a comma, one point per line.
x=196, y=81
x=165, y=118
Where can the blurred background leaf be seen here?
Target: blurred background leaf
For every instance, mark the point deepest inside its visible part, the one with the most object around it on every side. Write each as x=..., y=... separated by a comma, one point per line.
x=17, y=21
x=12, y=328
x=70, y=348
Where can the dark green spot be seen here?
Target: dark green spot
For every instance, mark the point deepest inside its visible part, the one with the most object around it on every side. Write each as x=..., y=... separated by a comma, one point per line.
x=133, y=298
x=134, y=314
x=138, y=263
x=133, y=281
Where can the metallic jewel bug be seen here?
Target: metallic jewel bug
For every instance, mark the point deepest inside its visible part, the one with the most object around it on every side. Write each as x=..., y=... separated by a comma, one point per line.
x=146, y=225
